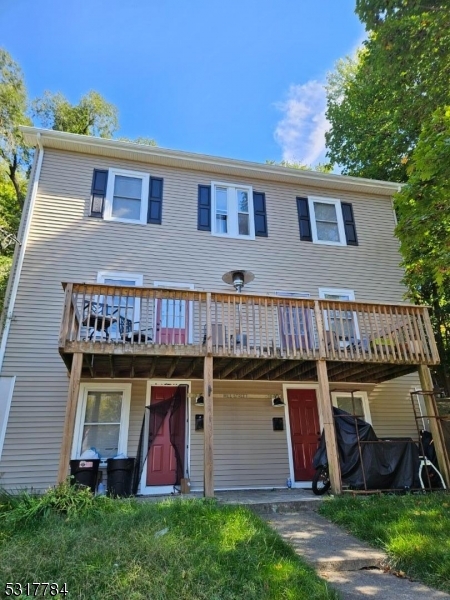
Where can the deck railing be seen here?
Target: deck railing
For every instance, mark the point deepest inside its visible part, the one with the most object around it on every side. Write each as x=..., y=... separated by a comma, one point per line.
x=99, y=317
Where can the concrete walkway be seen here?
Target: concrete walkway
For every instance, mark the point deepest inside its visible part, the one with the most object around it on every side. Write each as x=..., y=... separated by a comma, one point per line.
x=349, y=565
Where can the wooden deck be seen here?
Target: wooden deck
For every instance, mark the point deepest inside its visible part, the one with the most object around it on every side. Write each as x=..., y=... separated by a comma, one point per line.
x=161, y=332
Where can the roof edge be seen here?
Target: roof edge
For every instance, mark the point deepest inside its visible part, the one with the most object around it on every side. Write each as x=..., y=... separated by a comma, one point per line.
x=131, y=150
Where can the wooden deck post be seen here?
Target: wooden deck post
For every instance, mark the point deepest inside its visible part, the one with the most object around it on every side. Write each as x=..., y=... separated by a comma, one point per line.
x=208, y=477
x=326, y=411
x=426, y=384
x=69, y=421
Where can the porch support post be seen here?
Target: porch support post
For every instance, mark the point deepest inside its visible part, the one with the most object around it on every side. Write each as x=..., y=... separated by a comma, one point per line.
x=208, y=473
x=326, y=410
x=69, y=421
x=426, y=383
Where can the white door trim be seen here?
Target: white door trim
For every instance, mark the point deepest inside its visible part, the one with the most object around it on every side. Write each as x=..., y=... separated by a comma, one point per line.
x=145, y=489
x=296, y=386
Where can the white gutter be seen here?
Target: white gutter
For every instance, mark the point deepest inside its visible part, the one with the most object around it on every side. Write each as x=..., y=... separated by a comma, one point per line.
x=19, y=265
x=61, y=140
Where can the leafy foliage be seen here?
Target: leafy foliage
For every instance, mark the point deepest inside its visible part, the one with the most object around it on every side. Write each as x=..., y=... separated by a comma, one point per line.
x=64, y=499
x=145, y=141
x=322, y=168
x=387, y=111
x=375, y=12
x=14, y=155
x=378, y=101
x=93, y=115
x=423, y=207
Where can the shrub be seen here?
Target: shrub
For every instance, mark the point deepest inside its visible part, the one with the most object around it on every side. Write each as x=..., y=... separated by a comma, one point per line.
x=64, y=499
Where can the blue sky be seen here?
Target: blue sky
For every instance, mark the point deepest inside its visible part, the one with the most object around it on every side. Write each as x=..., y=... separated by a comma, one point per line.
x=236, y=79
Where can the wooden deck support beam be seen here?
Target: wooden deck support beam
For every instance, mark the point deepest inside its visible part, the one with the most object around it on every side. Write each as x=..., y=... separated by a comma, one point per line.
x=172, y=367
x=426, y=384
x=326, y=410
x=69, y=420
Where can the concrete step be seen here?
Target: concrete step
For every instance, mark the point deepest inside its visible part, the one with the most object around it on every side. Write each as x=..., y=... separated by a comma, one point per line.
x=292, y=506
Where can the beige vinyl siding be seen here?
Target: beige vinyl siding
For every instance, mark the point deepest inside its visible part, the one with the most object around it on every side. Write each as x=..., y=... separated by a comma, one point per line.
x=247, y=452
x=391, y=407
x=65, y=244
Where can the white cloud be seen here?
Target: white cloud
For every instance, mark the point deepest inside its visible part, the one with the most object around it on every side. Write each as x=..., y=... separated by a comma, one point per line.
x=301, y=131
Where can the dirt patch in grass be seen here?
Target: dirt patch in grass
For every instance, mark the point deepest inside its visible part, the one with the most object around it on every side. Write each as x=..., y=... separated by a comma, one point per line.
x=188, y=550
x=414, y=530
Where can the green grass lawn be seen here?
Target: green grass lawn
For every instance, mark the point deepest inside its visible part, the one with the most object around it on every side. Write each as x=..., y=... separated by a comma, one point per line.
x=414, y=530
x=180, y=550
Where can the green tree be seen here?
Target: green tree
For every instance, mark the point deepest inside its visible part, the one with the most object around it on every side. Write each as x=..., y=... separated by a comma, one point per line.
x=423, y=208
x=14, y=155
x=93, y=115
x=387, y=109
x=322, y=168
x=378, y=101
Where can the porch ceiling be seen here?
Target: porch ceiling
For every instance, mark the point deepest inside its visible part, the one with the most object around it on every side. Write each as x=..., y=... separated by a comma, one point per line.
x=188, y=367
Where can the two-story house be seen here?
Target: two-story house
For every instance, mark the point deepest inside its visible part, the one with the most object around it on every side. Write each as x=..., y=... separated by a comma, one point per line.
x=238, y=301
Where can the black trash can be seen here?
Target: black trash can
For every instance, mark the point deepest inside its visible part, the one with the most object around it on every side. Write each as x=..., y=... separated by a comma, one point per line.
x=85, y=472
x=120, y=476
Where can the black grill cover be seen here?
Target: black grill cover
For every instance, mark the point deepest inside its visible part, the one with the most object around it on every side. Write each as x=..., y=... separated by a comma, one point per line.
x=387, y=464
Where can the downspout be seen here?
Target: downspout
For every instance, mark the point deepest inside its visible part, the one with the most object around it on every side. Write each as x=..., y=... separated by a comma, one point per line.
x=19, y=265
x=399, y=189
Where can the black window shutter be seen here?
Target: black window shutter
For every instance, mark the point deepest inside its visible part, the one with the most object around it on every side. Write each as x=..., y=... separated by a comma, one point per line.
x=204, y=208
x=259, y=208
x=304, y=220
x=98, y=192
x=155, y=196
x=349, y=224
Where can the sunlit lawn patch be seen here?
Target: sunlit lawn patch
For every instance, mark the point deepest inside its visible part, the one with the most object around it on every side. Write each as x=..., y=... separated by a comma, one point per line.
x=414, y=530
x=188, y=550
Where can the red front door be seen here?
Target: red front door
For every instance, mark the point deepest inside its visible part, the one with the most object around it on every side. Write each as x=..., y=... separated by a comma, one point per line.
x=172, y=321
x=305, y=431
x=161, y=463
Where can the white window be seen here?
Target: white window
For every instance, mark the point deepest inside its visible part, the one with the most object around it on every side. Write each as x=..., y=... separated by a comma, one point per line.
x=126, y=307
x=359, y=406
x=102, y=419
x=232, y=211
x=343, y=323
x=126, y=196
x=327, y=224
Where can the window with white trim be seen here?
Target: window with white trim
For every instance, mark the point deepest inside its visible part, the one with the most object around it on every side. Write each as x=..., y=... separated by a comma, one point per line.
x=127, y=307
x=102, y=419
x=358, y=406
x=327, y=224
x=232, y=210
x=343, y=323
x=126, y=196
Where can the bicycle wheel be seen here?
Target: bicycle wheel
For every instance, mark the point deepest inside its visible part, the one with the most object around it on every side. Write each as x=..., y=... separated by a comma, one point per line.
x=321, y=481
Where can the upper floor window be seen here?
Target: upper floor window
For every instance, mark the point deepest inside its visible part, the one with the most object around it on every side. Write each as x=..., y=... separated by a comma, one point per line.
x=326, y=221
x=126, y=196
x=232, y=210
